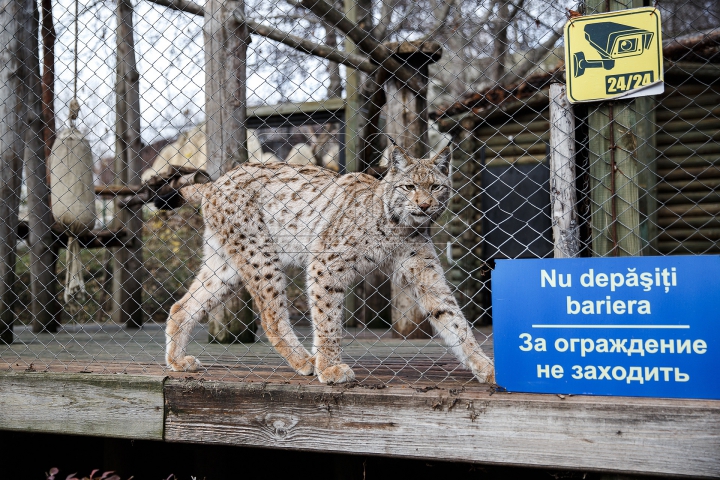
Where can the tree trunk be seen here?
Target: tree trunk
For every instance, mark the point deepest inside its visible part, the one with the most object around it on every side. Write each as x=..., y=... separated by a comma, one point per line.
x=406, y=116
x=358, y=12
x=500, y=42
x=563, y=199
x=46, y=309
x=128, y=269
x=48, y=76
x=226, y=42
x=15, y=23
x=618, y=175
x=335, y=87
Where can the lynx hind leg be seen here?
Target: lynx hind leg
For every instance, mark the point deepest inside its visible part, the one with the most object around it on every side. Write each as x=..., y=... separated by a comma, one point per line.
x=326, y=294
x=209, y=289
x=266, y=282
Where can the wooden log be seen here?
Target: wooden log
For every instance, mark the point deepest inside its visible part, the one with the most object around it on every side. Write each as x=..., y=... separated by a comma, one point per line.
x=563, y=198
x=694, y=222
x=116, y=190
x=45, y=308
x=691, y=112
x=226, y=41
x=15, y=22
x=687, y=43
x=91, y=239
x=128, y=269
x=407, y=124
x=699, y=71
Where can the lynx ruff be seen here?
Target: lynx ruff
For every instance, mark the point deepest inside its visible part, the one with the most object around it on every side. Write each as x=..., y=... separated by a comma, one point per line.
x=261, y=218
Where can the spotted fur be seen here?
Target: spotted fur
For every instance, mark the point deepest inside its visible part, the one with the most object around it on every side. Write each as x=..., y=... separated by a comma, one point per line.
x=262, y=218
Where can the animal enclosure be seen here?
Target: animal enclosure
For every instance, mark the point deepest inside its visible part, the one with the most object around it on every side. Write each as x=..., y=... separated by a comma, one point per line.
x=174, y=95
x=138, y=259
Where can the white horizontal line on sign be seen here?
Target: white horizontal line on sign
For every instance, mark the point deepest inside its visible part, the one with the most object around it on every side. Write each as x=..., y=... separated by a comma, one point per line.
x=613, y=326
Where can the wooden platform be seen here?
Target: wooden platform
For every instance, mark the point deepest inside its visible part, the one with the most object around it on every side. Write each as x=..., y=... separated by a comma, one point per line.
x=412, y=401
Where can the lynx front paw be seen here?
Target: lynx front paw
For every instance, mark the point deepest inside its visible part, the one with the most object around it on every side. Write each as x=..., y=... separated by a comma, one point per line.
x=306, y=367
x=483, y=370
x=340, y=373
x=487, y=376
x=187, y=364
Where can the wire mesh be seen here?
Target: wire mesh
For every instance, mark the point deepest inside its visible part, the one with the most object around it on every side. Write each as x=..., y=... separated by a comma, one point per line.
x=315, y=224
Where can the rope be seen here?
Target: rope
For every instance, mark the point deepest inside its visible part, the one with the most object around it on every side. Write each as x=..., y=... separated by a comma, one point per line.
x=74, y=104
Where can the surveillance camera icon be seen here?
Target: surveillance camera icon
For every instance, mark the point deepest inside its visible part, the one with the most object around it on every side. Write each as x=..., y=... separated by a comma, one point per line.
x=612, y=41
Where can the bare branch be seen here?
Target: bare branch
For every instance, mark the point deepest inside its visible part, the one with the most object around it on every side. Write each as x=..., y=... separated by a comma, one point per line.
x=364, y=39
x=441, y=20
x=381, y=29
x=355, y=61
x=352, y=60
x=399, y=24
x=532, y=58
x=482, y=21
x=187, y=6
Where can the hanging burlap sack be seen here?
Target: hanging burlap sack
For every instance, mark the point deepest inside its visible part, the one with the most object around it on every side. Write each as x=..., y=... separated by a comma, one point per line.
x=72, y=194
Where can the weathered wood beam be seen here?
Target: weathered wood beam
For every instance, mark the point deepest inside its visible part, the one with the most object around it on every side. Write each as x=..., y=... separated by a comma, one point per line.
x=118, y=406
x=621, y=435
x=363, y=39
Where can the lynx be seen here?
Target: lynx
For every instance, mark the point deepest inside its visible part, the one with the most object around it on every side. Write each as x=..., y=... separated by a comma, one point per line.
x=261, y=218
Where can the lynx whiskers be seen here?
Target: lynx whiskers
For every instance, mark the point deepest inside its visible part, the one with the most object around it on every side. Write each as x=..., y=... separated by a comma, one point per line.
x=262, y=218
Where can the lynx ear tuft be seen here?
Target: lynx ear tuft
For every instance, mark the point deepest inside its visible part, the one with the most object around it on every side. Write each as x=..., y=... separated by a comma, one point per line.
x=398, y=158
x=442, y=160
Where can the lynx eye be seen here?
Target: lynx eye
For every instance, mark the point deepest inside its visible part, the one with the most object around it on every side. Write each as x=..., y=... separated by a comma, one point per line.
x=408, y=187
x=437, y=187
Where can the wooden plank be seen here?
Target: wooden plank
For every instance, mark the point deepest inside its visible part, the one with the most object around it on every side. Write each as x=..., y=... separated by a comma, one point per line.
x=620, y=435
x=286, y=109
x=119, y=406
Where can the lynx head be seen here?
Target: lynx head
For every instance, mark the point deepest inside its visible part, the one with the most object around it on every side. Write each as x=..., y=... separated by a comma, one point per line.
x=417, y=189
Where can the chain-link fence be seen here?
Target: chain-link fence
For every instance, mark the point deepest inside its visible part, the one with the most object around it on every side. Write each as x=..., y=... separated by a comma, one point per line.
x=320, y=247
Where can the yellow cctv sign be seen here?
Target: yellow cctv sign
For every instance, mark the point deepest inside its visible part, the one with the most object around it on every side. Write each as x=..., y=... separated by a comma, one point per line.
x=614, y=55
